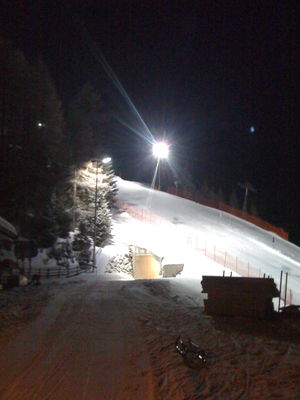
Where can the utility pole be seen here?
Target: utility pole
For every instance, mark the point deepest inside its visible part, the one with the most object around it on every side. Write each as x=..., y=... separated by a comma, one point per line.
x=155, y=174
x=95, y=215
x=248, y=187
x=176, y=186
x=74, y=199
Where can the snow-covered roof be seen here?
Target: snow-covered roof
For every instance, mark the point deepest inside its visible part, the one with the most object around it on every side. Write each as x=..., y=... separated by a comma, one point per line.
x=7, y=228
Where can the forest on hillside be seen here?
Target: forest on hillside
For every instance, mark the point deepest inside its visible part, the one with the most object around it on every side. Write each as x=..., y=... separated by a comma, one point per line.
x=44, y=146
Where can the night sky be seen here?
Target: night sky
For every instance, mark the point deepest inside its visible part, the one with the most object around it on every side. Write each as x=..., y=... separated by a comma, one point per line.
x=218, y=80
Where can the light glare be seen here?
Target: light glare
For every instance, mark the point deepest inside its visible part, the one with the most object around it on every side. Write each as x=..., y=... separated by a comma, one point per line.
x=161, y=150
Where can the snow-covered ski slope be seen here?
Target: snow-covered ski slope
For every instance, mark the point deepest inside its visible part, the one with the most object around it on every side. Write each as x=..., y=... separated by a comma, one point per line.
x=262, y=249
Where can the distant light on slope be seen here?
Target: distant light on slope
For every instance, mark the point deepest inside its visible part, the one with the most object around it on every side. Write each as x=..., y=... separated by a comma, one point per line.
x=160, y=150
x=106, y=160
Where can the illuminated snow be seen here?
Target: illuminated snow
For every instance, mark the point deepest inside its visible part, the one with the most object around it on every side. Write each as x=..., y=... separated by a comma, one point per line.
x=263, y=250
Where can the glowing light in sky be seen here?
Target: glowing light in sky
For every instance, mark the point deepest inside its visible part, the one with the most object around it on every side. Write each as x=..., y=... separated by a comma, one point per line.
x=160, y=150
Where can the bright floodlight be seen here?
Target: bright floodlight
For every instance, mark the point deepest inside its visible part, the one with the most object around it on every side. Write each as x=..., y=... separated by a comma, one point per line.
x=106, y=160
x=161, y=150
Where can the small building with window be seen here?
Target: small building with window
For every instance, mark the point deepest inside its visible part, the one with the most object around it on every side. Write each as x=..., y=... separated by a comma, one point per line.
x=9, y=269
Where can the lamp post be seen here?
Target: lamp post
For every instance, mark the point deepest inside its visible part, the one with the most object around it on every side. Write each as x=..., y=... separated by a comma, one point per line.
x=98, y=163
x=160, y=151
x=74, y=200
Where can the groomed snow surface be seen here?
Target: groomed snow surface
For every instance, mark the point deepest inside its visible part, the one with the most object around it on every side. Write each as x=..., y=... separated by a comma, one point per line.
x=264, y=252
x=109, y=337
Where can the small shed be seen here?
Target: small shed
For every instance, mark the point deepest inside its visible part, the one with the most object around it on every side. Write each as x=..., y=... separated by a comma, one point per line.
x=146, y=265
x=9, y=270
x=172, y=270
x=238, y=296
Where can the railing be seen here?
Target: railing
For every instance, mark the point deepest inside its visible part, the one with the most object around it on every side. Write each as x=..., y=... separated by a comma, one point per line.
x=210, y=250
x=58, y=272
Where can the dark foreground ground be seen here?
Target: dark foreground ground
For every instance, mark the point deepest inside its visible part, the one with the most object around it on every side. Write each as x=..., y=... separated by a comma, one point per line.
x=91, y=339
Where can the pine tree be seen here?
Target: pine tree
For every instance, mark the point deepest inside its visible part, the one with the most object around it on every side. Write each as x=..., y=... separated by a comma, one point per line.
x=14, y=115
x=92, y=206
x=31, y=138
x=86, y=119
x=187, y=181
x=253, y=209
x=204, y=190
x=220, y=195
x=61, y=206
x=47, y=112
x=233, y=201
x=101, y=226
x=211, y=194
x=112, y=187
x=82, y=243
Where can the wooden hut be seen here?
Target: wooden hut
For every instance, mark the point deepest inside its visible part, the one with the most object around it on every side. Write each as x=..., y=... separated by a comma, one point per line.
x=238, y=296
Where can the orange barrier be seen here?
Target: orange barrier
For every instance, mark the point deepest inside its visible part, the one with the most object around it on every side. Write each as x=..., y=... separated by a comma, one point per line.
x=224, y=207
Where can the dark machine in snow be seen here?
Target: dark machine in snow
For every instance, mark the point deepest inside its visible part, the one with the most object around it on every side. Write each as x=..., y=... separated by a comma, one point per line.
x=192, y=354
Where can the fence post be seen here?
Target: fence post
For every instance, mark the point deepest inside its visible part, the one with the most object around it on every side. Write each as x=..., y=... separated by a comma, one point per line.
x=248, y=269
x=285, y=289
x=280, y=287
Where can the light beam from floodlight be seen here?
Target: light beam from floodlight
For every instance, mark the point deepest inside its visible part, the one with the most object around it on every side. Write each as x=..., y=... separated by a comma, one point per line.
x=160, y=150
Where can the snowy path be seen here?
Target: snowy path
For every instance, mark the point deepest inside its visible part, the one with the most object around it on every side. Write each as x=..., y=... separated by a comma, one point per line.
x=115, y=340
x=82, y=348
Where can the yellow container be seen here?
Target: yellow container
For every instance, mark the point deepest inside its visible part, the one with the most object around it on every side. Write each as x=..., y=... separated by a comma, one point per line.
x=145, y=266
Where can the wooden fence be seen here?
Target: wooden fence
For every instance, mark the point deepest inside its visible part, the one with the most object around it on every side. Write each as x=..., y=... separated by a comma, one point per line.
x=56, y=272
